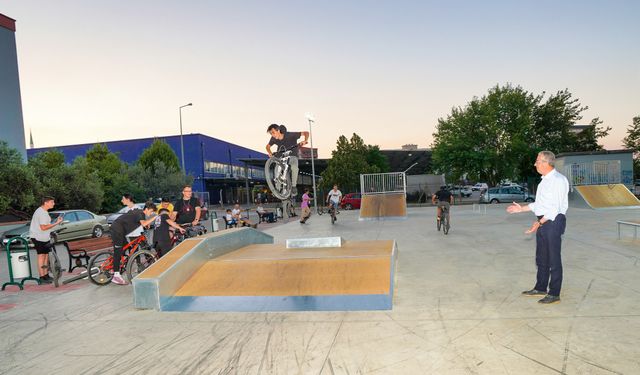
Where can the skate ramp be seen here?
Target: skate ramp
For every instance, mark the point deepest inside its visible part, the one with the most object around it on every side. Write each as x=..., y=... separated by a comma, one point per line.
x=243, y=270
x=612, y=196
x=383, y=206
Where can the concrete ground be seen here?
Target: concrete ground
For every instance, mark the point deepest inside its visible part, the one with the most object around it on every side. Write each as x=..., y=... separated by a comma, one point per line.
x=457, y=310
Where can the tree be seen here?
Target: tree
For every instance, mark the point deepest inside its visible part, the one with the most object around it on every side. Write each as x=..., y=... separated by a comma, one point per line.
x=159, y=181
x=17, y=182
x=632, y=142
x=487, y=138
x=347, y=162
x=498, y=136
x=377, y=158
x=159, y=151
x=71, y=185
x=107, y=168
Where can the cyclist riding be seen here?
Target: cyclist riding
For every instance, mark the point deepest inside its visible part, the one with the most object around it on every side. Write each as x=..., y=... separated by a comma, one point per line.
x=334, y=197
x=444, y=198
x=122, y=227
x=287, y=141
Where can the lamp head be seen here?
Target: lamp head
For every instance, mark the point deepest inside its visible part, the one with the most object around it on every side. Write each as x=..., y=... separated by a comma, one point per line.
x=309, y=116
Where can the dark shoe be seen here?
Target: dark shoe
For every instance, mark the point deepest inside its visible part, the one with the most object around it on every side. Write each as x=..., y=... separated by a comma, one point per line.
x=534, y=293
x=549, y=299
x=44, y=280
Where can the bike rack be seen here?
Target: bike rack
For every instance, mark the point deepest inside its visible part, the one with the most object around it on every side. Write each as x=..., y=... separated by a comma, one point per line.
x=12, y=280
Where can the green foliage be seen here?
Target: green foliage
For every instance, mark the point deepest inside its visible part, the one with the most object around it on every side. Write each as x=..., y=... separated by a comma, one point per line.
x=17, y=182
x=632, y=142
x=377, y=158
x=348, y=161
x=159, y=180
x=71, y=185
x=159, y=151
x=498, y=136
x=110, y=172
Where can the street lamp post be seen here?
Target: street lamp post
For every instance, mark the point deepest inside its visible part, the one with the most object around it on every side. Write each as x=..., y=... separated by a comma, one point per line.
x=311, y=119
x=184, y=171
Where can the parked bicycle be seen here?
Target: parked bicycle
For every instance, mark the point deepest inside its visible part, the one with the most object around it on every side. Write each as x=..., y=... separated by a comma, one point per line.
x=190, y=230
x=137, y=256
x=54, y=266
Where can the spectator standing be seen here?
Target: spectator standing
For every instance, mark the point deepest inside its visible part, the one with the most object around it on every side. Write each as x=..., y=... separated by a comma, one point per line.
x=187, y=210
x=550, y=207
x=40, y=233
x=165, y=204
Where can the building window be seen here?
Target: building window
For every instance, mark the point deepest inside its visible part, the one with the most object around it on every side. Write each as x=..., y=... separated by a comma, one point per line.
x=213, y=167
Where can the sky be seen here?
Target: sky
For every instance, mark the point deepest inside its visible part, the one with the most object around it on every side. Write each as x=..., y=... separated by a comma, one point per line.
x=386, y=70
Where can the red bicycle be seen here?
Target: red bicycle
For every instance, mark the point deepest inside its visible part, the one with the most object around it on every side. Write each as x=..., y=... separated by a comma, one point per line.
x=137, y=256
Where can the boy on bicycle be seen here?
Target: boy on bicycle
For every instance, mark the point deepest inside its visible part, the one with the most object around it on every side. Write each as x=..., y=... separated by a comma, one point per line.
x=287, y=140
x=162, y=234
x=334, y=197
x=122, y=227
x=445, y=199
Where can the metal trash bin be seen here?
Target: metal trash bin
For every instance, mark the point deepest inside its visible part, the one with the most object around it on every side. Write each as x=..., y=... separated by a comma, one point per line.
x=20, y=263
x=215, y=226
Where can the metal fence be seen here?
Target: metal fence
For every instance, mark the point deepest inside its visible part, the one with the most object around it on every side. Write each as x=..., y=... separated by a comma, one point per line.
x=380, y=183
x=596, y=173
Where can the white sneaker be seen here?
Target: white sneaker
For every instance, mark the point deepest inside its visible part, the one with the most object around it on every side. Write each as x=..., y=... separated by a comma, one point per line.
x=118, y=279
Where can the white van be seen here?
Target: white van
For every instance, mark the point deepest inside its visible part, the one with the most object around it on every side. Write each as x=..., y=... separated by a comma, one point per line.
x=480, y=186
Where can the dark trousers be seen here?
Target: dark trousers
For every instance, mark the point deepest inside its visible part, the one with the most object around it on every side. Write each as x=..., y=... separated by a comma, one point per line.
x=118, y=236
x=548, y=259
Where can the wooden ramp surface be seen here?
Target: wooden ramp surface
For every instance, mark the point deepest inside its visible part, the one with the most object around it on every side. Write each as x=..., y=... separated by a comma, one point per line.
x=272, y=270
x=375, y=206
x=608, y=196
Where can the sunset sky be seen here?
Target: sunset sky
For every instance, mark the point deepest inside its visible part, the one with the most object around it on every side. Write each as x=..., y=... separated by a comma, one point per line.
x=387, y=70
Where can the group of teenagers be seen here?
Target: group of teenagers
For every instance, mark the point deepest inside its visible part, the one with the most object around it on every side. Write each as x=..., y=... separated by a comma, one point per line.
x=165, y=217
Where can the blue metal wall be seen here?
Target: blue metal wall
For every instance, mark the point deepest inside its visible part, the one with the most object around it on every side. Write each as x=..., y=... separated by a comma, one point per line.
x=198, y=148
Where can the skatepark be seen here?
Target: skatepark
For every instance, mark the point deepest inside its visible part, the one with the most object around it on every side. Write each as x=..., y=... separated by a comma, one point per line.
x=457, y=309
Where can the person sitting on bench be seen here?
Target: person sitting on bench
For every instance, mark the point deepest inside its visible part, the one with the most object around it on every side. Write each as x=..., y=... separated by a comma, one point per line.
x=265, y=215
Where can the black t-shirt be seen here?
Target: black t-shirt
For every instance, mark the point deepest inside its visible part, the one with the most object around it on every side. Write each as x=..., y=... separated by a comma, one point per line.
x=130, y=220
x=186, y=210
x=161, y=233
x=443, y=195
x=290, y=140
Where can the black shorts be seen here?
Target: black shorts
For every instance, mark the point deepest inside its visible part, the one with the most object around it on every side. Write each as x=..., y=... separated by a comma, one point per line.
x=41, y=247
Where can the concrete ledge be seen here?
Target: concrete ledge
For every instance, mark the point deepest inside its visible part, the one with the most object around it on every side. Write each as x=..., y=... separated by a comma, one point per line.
x=299, y=243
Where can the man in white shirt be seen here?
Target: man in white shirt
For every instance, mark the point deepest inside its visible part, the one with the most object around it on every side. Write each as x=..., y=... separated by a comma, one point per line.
x=334, y=197
x=40, y=233
x=550, y=207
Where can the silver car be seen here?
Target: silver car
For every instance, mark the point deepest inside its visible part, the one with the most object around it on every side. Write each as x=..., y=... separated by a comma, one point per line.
x=111, y=218
x=75, y=224
x=506, y=194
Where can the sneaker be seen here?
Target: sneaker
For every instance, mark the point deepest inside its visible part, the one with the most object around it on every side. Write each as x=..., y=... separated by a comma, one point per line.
x=549, y=299
x=117, y=279
x=534, y=293
x=45, y=280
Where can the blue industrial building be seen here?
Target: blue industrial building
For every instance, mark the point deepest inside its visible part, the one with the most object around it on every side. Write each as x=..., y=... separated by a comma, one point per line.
x=217, y=166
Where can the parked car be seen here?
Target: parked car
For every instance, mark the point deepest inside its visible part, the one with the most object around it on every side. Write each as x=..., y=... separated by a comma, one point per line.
x=111, y=218
x=351, y=201
x=460, y=191
x=506, y=194
x=75, y=224
x=480, y=186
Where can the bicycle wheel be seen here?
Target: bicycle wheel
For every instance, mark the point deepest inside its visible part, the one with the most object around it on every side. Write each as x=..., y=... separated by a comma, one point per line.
x=278, y=181
x=445, y=223
x=439, y=222
x=103, y=261
x=54, y=266
x=333, y=217
x=139, y=262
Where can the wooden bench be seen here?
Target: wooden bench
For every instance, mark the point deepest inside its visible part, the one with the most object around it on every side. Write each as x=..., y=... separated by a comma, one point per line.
x=634, y=223
x=81, y=251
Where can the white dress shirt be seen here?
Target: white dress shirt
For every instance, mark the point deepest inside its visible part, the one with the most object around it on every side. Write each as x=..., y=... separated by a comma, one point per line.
x=552, y=197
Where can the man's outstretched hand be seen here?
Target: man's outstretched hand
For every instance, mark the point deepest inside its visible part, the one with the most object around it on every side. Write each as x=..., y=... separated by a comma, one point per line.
x=514, y=208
